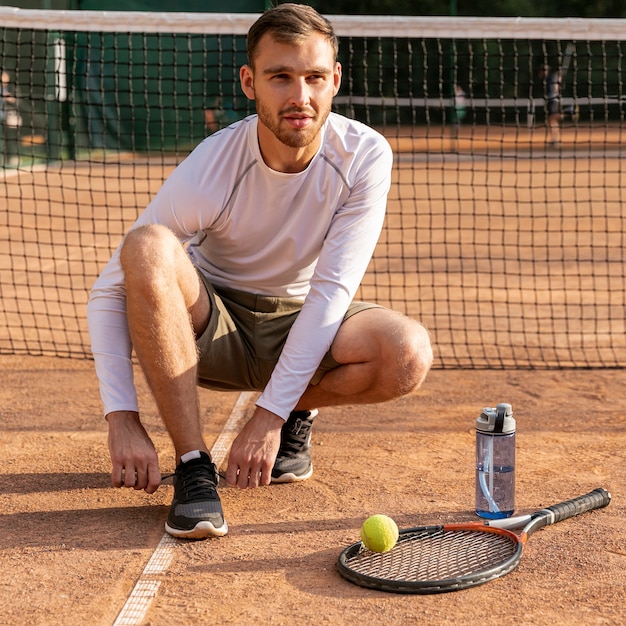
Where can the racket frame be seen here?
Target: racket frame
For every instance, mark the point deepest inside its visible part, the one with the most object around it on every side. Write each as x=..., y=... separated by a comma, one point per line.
x=444, y=585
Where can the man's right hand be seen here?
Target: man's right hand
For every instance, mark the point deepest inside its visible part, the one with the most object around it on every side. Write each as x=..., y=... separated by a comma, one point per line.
x=133, y=457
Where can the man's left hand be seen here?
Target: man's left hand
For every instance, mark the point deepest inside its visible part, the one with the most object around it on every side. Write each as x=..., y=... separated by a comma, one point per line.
x=254, y=450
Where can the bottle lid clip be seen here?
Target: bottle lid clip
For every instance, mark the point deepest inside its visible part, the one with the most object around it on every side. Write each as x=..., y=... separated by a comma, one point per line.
x=498, y=421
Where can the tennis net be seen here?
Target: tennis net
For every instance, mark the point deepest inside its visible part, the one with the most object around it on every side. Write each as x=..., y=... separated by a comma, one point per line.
x=504, y=239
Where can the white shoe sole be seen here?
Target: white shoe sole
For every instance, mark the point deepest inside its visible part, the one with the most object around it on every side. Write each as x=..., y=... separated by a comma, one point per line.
x=292, y=478
x=202, y=530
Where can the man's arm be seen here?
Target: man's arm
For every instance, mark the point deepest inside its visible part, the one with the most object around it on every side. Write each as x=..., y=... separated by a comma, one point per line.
x=133, y=457
x=343, y=261
x=110, y=340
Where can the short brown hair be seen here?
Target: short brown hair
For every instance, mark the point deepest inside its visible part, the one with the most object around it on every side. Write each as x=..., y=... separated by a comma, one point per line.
x=290, y=23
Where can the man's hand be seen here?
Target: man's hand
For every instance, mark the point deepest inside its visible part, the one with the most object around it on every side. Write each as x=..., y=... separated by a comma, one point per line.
x=134, y=459
x=254, y=450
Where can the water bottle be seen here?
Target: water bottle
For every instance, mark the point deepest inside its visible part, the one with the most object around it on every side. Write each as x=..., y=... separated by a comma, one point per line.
x=495, y=462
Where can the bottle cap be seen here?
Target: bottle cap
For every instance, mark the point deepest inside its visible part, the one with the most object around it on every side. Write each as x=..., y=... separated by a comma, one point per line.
x=498, y=421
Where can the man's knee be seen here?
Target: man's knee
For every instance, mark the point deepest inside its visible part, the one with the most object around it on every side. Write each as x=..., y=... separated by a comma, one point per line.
x=147, y=247
x=396, y=347
x=413, y=356
x=421, y=354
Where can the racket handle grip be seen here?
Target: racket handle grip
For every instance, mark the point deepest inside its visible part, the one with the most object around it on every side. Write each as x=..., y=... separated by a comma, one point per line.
x=595, y=499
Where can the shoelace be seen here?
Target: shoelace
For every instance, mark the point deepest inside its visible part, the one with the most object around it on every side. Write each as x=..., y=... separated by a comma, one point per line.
x=296, y=436
x=197, y=481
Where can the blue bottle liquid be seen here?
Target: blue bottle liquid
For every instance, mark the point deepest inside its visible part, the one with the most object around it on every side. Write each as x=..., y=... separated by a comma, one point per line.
x=495, y=463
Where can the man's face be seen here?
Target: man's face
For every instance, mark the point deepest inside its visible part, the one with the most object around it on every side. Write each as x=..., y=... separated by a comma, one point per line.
x=293, y=88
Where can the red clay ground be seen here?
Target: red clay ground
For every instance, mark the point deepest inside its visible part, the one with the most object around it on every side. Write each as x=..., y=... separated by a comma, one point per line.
x=72, y=547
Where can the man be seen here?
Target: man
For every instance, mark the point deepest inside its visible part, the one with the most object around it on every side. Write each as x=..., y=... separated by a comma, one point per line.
x=553, y=80
x=279, y=214
x=10, y=121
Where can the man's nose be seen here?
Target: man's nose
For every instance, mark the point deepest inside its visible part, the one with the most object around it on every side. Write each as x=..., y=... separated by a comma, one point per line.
x=300, y=93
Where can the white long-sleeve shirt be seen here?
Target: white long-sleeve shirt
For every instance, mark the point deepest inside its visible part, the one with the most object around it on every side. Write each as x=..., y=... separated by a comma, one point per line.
x=306, y=235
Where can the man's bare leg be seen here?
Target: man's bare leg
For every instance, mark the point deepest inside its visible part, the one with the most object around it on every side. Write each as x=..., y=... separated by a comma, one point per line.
x=166, y=306
x=554, y=129
x=382, y=354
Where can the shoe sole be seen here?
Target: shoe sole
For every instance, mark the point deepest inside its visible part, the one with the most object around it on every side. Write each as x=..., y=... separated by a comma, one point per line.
x=202, y=530
x=289, y=477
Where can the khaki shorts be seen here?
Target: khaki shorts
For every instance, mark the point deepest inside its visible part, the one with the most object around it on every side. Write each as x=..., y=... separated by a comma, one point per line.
x=245, y=336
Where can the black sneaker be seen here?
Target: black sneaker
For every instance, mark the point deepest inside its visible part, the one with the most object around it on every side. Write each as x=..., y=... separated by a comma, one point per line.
x=196, y=511
x=293, y=462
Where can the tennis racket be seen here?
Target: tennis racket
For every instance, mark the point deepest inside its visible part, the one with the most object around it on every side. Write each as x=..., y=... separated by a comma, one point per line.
x=437, y=559
x=567, y=58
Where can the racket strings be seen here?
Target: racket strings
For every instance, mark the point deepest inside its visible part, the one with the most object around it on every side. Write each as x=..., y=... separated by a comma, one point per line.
x=433, y=556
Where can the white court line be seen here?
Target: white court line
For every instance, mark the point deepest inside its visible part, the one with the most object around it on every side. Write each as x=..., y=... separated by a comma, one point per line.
x=145, y=590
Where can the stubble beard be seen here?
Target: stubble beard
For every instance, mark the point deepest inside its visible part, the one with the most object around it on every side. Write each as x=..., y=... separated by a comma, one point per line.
x=293, y=138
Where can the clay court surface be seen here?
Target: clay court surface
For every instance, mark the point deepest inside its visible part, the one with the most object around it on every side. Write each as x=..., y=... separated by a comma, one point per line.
x=73, y=548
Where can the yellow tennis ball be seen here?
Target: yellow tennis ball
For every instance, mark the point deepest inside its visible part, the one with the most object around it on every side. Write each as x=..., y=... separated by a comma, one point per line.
x=379, y=533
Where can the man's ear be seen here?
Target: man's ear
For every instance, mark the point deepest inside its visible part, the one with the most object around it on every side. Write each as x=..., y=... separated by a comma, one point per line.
x=247, y=81
x=337, y=78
